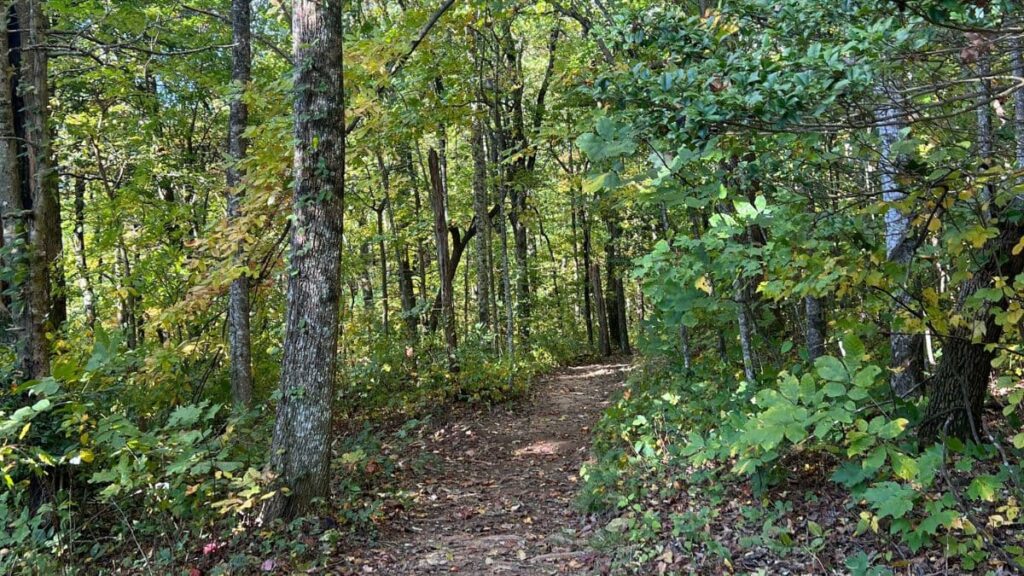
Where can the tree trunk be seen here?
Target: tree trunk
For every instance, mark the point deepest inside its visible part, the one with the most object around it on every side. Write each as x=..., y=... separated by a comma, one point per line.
x=684, y=345
x=366, y=255
x=610, y=293
x=962, y=377
x=745, y=329
x=904, y=378
x=615, y=299
x=483, y=248
x=588, y=281
x=42, y=178
x=604, y=339
x=407, y=297
x=239, y=332
x=300, y=453
x=84, y=283
x=439, y=205
x=26, y=256
x=382, y=255
x=1017, y=61
x=815, y=325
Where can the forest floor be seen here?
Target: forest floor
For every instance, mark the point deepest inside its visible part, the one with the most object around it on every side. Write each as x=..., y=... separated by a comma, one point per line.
x=496, y=493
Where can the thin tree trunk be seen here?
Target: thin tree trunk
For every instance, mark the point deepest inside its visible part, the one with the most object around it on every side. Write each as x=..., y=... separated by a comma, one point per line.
x=239, y=331
x=602, y=316
x=588, y=281
x=300, y=453
x=42, y=179
x=366, y=255
x=745, y=330
x=1017, y=61
x=382, y=254
x=84, y=282
x=439, y=205
x=405, y=273
x=815, y=325
x=483, y=249
x=904, y=377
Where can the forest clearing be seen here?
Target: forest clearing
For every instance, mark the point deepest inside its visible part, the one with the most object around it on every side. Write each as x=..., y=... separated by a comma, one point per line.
x=587, y=287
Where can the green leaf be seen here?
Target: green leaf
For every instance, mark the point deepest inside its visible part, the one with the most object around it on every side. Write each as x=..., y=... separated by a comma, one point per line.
x=903, y=466
x=834, y=389
x=891, y=499
x=985, y=488
x=830, y=368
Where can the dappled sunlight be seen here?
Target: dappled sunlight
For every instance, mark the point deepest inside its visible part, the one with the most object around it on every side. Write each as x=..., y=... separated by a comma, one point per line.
x=542, y=447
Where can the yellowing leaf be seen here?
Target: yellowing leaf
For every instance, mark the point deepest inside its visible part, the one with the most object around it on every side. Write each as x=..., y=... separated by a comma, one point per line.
x=1019, y=246
x=703, y=284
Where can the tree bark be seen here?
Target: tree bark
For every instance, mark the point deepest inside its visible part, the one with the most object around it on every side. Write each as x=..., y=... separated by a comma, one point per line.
x=588, y=281
x=962, y=376
x=745, y=329
x=300, y=453
x=1017, y=61
x=239, y=331
x=26, y=256
x=904, y=378
x=815, y=326
x=382, y=255
x=84, y=282
x=439, y=205
x=42, y=178
x=604, y=339
x=483, y=248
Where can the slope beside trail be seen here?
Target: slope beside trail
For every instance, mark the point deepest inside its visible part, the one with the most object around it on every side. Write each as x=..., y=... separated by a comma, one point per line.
x=497, y=494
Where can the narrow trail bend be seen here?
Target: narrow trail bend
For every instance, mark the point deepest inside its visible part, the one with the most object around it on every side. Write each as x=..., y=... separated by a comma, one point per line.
x=498, y=496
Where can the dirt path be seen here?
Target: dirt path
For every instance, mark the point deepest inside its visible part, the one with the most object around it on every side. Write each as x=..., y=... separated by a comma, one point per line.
x=498, y=497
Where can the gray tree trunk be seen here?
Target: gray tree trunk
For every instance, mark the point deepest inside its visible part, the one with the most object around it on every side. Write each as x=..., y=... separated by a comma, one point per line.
x=603, y=338
x=815, y=325
x=904, y=378
x=745, y=329
x=438, y=203
x=483, y=248
x=239, y=331
x=300, y=453
x=382, y=255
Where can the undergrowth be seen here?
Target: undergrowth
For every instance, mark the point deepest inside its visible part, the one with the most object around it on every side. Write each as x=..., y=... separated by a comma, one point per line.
x=817, y=471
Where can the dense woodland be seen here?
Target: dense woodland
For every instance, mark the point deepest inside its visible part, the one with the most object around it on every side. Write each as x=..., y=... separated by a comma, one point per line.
x=255, y=252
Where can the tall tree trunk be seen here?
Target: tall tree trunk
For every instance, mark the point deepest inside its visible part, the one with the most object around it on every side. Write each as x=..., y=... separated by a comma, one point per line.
x=1017, y=61
x=382, y=255
x=684, y=346
x=239, y=332
x=588, y=282
x=300, y=453
x=604, y=338
x=439, y=205
x=405, y=274
x=905, y=377
x=81, y=263
x=615, y=300
x=815, y=327
x=34, y=91
x=483, y=248
x=25, y=256
x=366, y=256
x=746, y=330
